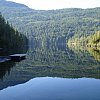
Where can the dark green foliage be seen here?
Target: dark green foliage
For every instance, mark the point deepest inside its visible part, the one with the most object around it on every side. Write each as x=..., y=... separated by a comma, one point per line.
x=9, y=37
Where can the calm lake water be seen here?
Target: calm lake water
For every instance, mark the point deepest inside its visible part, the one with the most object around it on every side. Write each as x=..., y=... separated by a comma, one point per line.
x=48, y=88
x=51, y=72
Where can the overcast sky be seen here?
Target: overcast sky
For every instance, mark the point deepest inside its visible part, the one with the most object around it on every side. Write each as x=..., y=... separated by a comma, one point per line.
x=59, y=4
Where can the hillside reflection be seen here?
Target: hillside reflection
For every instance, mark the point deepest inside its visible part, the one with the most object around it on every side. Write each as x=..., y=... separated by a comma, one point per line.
x=53, y=60
x=95, y=52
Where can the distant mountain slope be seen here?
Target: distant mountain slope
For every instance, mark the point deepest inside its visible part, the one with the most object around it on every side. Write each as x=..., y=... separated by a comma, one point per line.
x=53, y=25
x=10, y=4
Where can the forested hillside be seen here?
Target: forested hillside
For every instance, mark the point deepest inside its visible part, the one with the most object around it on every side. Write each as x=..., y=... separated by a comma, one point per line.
x=9, y=37
x=52, y=25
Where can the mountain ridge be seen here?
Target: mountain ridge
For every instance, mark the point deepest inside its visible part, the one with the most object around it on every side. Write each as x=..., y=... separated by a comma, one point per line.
x=11, y=4
x=54, y=24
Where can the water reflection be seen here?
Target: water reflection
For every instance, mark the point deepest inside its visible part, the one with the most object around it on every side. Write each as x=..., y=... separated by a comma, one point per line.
x=53, y=60
x=58, y=62
x=48, y=88
x=5, y=51
x=95, y=52
x=5, y=69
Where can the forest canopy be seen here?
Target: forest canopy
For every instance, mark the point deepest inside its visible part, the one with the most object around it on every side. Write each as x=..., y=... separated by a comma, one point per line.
x=10, y=37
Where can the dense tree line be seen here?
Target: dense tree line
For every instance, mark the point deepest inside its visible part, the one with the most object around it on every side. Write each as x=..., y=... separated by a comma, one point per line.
x=10, y=37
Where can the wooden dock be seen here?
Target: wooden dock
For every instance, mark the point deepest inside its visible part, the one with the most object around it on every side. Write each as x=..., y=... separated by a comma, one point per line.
x=15, y=58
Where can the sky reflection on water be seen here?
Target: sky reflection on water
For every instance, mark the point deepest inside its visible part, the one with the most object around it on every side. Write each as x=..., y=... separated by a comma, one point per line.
x=48, y=88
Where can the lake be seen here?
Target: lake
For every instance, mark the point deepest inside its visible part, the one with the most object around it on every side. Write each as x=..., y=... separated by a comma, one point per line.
x=51, y=72
x=48, y=88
